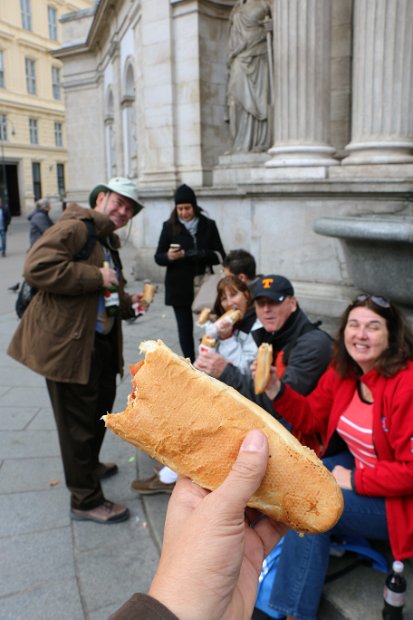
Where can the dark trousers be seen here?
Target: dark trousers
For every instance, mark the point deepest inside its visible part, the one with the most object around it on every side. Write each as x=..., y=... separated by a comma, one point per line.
x=77, y=410
x=185, y=322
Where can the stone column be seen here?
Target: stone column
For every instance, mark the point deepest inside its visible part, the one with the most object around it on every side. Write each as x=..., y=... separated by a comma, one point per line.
x=301, y=34
x=382, y=103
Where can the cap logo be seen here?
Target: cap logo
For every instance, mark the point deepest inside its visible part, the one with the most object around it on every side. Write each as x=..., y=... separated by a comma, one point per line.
x=266, y=282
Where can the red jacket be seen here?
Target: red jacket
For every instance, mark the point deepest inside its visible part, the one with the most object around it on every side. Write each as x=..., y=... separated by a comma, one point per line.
x=392, y=477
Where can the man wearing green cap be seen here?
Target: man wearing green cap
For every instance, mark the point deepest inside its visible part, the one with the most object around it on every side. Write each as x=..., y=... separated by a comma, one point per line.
x=68, y=335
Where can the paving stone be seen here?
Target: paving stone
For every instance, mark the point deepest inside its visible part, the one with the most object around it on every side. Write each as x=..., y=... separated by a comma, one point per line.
x=43, y=420
x=34, y=396
x=58, y=600
x=31, y=474
x=31, y=560
x=16, y=418
x=33, y=511
x=28, y=444
x=96, y=569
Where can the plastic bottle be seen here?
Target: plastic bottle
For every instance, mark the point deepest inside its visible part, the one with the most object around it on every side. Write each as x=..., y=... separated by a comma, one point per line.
x=111, y=297
x=394, y=593
x=208, y=343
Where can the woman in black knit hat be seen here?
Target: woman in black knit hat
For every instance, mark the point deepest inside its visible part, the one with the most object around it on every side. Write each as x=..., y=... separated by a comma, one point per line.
x=188, y=246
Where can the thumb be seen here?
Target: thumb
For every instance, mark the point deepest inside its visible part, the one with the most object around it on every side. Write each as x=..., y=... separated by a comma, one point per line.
x=246, y=474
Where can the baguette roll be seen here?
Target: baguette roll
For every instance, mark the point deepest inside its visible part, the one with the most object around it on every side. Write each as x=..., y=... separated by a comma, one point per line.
x=262, y=373
x=232, y=316
x=203, y=316
x=148, y=292
x=195, y=424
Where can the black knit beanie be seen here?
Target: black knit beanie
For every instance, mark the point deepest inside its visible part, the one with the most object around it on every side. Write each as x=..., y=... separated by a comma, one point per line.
x=185, y=195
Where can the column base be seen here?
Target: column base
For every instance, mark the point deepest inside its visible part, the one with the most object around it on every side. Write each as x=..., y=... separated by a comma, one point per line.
x=379, y=153
x=301, y=155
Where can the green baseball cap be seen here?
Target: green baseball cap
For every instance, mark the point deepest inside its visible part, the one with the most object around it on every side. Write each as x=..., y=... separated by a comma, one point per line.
x=119, y=185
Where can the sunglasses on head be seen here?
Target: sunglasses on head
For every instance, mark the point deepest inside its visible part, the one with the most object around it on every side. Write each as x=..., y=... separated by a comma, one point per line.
x=382, y=302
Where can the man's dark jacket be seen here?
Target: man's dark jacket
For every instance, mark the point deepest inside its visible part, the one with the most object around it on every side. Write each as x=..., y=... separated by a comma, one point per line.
x=307, y=353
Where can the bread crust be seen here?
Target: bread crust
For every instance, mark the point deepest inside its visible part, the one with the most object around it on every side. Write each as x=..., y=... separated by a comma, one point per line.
x=195, y=424
x=203, y=316
x=232, y=315
x=262, y=372
x=148, y=292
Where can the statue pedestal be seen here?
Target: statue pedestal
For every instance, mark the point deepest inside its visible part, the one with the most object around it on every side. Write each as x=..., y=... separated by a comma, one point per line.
x=237, y=168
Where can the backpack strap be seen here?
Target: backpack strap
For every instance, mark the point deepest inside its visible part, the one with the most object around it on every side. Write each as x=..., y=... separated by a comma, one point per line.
x=87, y=249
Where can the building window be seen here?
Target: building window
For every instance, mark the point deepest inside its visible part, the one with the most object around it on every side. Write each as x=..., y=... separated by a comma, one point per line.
x=60, y=170
x=30, y=76
x=52, y=19
x=1, y=69
x=56, y=83
x=58, y=134
x=26, y=14
x=3, y=128
x=33, y=131
x=37, y=182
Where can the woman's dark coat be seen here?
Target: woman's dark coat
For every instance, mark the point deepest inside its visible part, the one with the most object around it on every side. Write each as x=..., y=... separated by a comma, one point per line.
x=208, y=251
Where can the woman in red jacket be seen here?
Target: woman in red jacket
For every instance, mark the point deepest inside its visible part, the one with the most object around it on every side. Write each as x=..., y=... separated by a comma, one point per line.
x=366, y=399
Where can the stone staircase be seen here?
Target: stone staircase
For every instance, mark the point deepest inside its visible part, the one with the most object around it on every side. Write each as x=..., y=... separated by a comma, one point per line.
x=358, y=595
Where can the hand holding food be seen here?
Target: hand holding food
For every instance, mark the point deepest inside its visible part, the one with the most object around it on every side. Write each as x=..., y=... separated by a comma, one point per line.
x=149, y=291
x=263, y=366
x=208, y=343
x=196, y=424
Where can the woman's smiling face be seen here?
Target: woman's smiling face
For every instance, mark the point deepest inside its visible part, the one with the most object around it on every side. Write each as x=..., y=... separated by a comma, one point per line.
x=365, y=337
x=233, y=299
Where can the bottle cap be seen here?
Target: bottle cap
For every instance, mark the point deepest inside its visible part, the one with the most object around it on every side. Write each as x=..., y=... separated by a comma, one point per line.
x=398, y=566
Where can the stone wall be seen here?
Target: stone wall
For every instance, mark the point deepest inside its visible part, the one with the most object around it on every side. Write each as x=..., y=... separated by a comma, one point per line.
x=342, y=125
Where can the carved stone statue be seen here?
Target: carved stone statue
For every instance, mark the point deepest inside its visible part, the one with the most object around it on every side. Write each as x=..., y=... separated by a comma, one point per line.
x=249, y=62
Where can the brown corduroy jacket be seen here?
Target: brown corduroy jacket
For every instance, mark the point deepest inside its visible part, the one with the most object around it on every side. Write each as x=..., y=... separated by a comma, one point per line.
x=143, y=607
x=56, y=333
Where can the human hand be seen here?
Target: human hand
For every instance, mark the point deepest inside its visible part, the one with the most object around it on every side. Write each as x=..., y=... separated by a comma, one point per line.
x=224, y=328
x=137, y=298
x=211, y=558
x=109, y=277
x=175, y=254
x=343, y=477
x=274, y=384
x=211, y=363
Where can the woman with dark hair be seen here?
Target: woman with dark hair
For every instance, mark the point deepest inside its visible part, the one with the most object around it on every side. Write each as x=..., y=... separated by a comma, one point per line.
x=366, y=397
x=188, y=247
x=235, y=343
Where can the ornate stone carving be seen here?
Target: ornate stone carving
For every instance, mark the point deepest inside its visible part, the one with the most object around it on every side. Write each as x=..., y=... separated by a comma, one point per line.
x=248, y=94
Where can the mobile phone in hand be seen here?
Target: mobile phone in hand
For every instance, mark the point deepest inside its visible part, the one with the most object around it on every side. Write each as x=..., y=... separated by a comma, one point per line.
x=175, y=247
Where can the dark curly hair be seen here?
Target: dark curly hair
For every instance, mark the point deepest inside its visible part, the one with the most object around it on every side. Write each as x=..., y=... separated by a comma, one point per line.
x=400, y=348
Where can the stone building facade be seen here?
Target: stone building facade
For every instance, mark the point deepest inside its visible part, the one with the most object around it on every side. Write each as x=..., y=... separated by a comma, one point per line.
x=145, y=85
x=32, y=114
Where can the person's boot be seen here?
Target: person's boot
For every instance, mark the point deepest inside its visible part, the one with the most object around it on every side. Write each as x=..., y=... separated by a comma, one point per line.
x=106, y=513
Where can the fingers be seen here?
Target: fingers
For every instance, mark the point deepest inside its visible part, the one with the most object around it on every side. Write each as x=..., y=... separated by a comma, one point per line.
x=270, y=532
x=245, y=476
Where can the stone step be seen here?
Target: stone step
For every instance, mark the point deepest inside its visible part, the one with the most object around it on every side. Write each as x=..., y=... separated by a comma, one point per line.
x=358, y=595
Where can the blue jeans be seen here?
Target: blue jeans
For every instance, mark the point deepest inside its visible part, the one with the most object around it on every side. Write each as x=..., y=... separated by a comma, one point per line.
x=3, y=242
x=304, y=561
